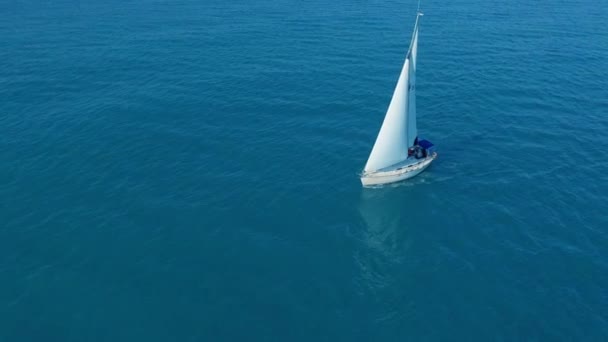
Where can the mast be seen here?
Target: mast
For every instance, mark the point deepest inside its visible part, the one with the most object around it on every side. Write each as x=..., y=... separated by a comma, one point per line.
x=412, y=129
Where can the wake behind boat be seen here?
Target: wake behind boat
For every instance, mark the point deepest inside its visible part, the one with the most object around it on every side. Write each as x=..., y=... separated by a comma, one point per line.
x=398, y=154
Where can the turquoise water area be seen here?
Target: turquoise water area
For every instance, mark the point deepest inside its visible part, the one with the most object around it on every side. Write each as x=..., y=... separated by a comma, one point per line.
x=188, y=171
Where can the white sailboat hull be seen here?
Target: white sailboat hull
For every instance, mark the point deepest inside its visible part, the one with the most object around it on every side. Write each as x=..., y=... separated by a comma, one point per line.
x=399, y=173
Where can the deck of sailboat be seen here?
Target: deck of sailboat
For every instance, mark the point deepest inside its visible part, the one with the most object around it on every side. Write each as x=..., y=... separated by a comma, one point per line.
x=398, y=172
x=409, y=162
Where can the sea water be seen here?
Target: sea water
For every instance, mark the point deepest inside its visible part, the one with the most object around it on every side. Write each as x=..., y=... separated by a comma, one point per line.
x=188, y=171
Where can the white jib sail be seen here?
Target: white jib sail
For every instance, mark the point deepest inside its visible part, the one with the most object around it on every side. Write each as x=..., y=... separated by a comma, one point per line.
x=392, y=143
x=398, y=130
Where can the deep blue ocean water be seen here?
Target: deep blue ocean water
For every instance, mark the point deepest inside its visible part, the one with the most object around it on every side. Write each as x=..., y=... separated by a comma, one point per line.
x=187, y=171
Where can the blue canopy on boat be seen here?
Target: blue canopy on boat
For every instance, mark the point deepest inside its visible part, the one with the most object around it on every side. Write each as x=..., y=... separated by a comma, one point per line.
x=425, y=144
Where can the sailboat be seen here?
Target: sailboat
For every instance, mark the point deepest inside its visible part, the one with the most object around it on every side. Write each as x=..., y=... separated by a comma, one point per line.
x=398, y=154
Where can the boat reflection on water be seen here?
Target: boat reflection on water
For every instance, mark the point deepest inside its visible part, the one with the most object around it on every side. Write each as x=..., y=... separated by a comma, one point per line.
x=384, y=239
x=388, y=257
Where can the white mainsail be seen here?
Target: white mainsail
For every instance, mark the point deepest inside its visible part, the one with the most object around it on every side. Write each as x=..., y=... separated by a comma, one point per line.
x=398, y=131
